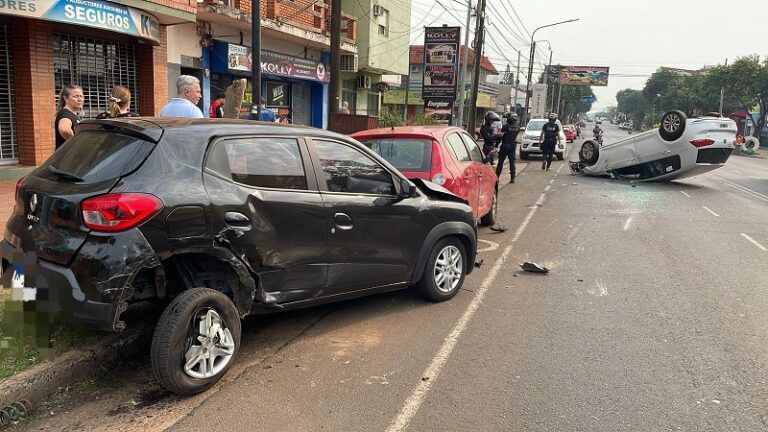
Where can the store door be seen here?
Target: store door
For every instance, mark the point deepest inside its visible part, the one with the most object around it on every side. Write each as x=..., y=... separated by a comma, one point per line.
x=9, y=152
x=97, y=66
x=302, y=104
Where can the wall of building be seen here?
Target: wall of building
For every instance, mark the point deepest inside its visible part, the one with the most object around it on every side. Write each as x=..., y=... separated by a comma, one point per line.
x=385, y=53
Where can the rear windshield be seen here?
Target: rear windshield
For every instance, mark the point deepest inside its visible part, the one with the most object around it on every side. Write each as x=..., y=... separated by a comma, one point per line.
x=96, y=156
x=406, y=154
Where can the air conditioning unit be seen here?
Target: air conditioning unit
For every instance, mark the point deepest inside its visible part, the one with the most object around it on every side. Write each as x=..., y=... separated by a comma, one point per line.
x=364, y=82
x=349, y=62
x=378, y=10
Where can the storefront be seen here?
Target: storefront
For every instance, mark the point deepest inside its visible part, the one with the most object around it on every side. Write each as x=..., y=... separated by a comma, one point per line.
x=295, y=89
x=96, y=44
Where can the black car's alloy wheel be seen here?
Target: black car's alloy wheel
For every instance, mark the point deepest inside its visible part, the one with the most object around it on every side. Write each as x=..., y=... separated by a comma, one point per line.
x=445, y=270
x=196, y=341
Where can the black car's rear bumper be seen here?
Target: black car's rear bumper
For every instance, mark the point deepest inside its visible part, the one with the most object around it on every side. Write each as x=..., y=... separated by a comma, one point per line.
x=55, y=290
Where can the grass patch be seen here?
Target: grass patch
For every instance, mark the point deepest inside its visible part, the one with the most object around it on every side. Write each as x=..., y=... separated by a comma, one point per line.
x=25, y=342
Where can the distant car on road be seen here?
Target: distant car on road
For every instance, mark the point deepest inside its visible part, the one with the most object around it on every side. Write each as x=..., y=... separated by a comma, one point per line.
x=680, y=147
x=570, y=132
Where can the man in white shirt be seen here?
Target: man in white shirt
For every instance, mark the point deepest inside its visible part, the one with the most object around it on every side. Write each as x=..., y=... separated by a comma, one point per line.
x=185, y=105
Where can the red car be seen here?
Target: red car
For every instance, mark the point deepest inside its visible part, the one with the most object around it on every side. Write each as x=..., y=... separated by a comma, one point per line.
x=444, y=155
x=570, y=132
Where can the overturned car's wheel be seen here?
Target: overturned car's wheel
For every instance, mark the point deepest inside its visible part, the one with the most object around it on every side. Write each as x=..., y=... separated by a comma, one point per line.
x=445, y=269
x=672, y=125
x=589, y=152
x=196, y=341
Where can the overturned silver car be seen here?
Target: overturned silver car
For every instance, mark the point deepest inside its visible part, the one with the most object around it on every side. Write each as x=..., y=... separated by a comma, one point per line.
x=680, y=147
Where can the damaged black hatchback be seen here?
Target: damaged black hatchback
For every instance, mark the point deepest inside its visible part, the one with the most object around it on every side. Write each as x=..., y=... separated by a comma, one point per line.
x=219, y=219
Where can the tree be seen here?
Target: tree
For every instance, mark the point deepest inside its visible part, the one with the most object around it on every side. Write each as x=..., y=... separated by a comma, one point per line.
x=746, y=80
x=633, y=103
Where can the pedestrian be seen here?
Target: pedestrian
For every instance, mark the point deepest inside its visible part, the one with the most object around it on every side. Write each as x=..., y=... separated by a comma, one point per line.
x=118, y=104
x=217, y=107
x=345, y=107
x=265, y=114
x=71, y=101
x=549, y=138
x=508, y=145
x=185, y=104
x=488, y=135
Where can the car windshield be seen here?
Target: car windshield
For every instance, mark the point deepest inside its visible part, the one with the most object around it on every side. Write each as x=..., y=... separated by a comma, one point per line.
x=406, y=154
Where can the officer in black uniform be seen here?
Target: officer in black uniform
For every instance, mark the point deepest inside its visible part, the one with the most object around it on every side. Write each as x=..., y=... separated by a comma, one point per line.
x=489, y=137
x=549, y=138
x=508, y=145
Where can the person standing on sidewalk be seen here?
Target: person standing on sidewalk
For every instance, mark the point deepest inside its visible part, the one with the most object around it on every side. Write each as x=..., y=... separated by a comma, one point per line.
x=118, y=104
x=549, y=138
x=71, y=102
x=508, y=146
x=185, y=104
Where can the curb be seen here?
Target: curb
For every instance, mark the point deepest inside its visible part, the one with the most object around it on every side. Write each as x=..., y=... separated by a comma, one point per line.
x=42, y=381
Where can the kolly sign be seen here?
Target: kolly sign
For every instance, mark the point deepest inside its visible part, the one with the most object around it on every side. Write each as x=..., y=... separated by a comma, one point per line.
x=441, y=60
x=239, y=59
x=90, y=13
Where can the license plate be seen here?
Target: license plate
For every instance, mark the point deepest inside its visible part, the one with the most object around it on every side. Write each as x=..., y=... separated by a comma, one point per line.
x=724, y=125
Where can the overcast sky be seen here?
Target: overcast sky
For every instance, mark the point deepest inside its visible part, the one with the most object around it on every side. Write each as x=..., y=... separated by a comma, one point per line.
x=632, y=37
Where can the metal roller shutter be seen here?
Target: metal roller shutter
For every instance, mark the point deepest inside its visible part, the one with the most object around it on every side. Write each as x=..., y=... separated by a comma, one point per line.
x=97, y=66
x=8, y=149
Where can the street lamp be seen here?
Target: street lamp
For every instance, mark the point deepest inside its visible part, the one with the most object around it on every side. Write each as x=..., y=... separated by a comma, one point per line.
x=530, y=66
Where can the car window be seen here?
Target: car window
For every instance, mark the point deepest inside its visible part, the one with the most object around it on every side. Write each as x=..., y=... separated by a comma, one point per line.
x=260, y=162
x=474, y=150
x=405, y=154
x=457, y=146
x=345, y=169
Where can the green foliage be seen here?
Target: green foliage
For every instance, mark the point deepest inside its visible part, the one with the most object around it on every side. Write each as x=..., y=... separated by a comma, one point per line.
x=423, y=120
x=391, y=118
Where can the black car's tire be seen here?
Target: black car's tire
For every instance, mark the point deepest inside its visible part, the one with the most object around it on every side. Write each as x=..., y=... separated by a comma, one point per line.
x=589, y=152
x=490, y=218
x=560, y=156
x=523, y=155
x=672, y=125
x=178, y=341
x=445, y=270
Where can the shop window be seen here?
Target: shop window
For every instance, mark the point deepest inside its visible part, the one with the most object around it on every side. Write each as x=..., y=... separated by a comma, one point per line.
x=373, y=104
x=9, y=152
x=382, y=19
x=349, y=94
x=277, y=94
x=97, y=66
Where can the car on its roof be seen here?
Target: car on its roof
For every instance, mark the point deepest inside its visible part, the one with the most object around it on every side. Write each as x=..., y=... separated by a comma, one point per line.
x=217, y=219
x=445, y=155
x=680, y=147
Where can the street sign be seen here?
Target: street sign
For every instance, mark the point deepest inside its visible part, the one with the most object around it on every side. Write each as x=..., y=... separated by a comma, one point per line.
x=587, y=99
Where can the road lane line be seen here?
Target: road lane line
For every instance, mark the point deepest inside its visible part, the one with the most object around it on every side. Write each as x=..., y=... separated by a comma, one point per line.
x=683, y=192
x=745, y=189
x=551, y=181
x=547, y=188
x=754, y=242
x=737, y=172
x=414, y=401
x=713, y=213
x=756, y=178
x=492, y=246
x=628, y=222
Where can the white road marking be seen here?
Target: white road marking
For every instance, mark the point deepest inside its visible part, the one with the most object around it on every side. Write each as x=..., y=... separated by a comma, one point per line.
x=713, y=213
x=754, y=242
x=756, y=178
x=737, y=172
x=628, y=222
x=745, y=189
x=683, y=192
x=414, y=401
x=561, y=167
x=547, y=188
x=491, y=246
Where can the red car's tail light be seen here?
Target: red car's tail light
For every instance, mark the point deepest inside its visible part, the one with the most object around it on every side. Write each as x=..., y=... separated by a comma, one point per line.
x=702, y=142
x=436, y=174
x=18, y=185
x=119, y=212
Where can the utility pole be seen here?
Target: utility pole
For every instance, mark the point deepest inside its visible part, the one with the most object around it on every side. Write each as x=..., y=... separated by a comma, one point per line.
x=256, y=57
x=407, y=88
x=559, y=92
x=335, y=57
x=479, y=36
x=463, y=69
x=722, y=93
x=517, y=79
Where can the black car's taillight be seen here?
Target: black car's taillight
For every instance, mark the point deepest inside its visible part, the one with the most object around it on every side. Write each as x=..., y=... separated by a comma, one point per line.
x=120, y=211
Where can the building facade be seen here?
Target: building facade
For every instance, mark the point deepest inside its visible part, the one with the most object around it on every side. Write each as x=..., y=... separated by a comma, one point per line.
x=294, y=58
x=488, y=89
x=97, y=44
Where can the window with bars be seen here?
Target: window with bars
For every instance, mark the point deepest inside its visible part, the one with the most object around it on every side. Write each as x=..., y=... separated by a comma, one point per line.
x=9, y=152
x=97, y=66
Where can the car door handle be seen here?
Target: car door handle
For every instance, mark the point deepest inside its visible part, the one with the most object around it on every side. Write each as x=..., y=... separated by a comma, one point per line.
x=342, y=221
x=237, y=220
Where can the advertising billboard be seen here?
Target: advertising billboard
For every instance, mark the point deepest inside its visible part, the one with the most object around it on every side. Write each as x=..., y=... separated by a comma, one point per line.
x=441, y=63
x=584, y=75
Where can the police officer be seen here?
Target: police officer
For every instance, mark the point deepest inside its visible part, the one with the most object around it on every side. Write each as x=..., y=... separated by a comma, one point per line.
x=549, y=138
x=508, y=145
x=488, y=134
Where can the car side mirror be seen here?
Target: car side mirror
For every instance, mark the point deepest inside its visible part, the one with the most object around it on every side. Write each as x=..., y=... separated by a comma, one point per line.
x=407, y=189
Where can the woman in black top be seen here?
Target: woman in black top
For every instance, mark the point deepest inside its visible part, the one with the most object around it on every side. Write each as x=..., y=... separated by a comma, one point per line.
x=118, y=105
x=70, y=103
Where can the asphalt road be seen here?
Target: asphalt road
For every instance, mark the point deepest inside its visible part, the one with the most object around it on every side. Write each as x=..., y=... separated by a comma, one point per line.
x=654, y=316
